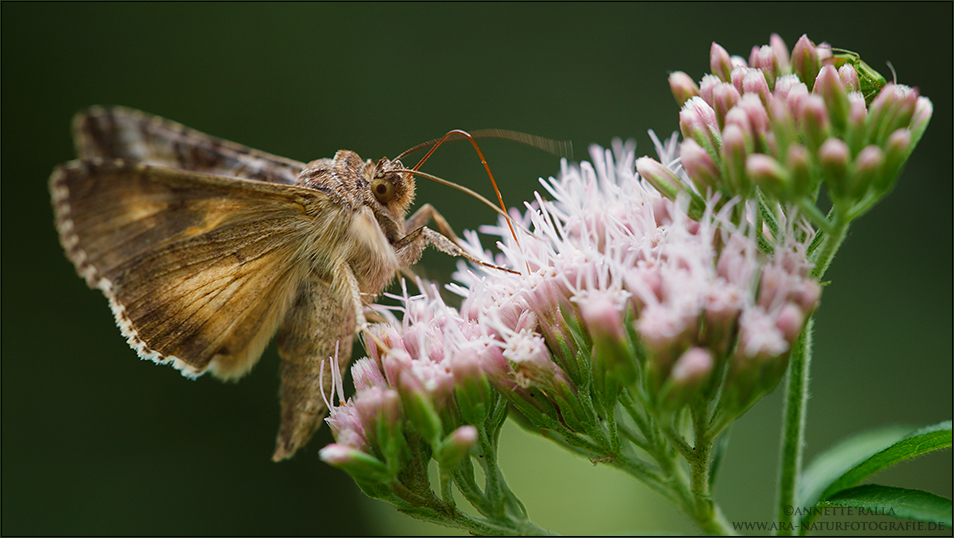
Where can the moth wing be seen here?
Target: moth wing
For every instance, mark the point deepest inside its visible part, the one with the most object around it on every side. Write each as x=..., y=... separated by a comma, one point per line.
x=125, y=133
x=320, y=325
x=199, y=270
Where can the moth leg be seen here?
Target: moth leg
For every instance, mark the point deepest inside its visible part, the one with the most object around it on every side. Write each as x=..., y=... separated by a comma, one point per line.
x=409, y=274
x=319, y=319
x=419, y=236
x=345, y=273
x=425, y=214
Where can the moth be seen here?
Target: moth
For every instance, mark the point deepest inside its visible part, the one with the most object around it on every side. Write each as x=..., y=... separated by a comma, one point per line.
x=206, y=249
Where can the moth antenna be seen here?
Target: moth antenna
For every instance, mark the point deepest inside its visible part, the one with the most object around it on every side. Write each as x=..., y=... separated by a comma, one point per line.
x=894, y=74
x=483, y=161
x=560, y=148
x=461, y=188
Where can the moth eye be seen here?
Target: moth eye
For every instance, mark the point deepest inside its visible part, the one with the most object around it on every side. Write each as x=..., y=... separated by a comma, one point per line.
x=383, y=190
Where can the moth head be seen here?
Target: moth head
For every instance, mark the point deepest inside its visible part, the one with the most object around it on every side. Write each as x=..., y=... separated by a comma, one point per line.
x=391, y=189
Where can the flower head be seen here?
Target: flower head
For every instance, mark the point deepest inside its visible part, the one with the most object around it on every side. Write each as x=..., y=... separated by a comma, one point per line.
x=647, y=292
x=740, y=125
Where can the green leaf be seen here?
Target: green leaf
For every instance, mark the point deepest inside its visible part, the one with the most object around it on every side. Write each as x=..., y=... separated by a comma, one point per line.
x=913, y=504
x=841, y=458
x=861, y=456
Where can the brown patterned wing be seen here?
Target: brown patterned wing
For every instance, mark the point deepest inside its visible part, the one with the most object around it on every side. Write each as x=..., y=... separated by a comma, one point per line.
x=199, y=270
x=318, y=326
x=125, y=133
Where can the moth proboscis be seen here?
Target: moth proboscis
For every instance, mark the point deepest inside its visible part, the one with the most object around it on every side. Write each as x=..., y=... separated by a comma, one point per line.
x=206, y=249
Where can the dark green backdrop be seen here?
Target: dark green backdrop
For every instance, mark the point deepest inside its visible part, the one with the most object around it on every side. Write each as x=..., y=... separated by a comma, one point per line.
x=98, y=442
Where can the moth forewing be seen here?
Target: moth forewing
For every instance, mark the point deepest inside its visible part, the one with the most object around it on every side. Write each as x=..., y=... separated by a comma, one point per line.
x=199, y=271
x=125, y=133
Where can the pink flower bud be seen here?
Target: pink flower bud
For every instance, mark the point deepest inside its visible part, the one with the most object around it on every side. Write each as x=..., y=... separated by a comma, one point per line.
x=824, y=53
x=380, y=411
x=347, y=427
x=790, y=321
x=366, y=374
x=663, y=179
x=361, y=466
x=755, y=83
x=768, y=174
x=531, y=360
x=855, y=129
x=709, y=82
x=738, y=75
x=724, y=97
x=700, y=167
x=754, y=57
x=682, y=86
x=692, y=368
x=335, y=454
x=831, y=88
x=457, y=446
x=734, y=154
x=767, y=61
x=737, y=262
x=805, y=62
x=923, y=111
x=697, y=120
x=867, y=169
x=781, y=53
x=394, y=363
x=689, y=374
x=796, y=98
x=806, y=294
x=465, y=435
x=785, y=84
x=799, y=163
x=834, y=156
x=755, y=110
x=469, y=376
x=723, y=304
x=738, y=61
x=391, y=338
x=813, y=121
x=783, y=124
x=664, y=331
x=740, y=119
x=603, y=317
x=849, y=77
x=896, y=152
x=421, y=407
x=892, y=109
x=759, y=337
x=719, y=62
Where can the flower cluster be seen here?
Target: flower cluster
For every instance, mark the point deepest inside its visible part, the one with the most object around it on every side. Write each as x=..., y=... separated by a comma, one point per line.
x=651, y=302
x=431, y=363
x=620, y=299
x=788, y=124
x=625, y=290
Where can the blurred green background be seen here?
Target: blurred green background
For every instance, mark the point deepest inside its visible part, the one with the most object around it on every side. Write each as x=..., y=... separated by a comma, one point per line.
x=96, y=441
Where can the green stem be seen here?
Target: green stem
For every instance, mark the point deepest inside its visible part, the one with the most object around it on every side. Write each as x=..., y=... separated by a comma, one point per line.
x=718, y=524
x=793, y=430
x=830, y=244
x=796, y=392
x=705, y=511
